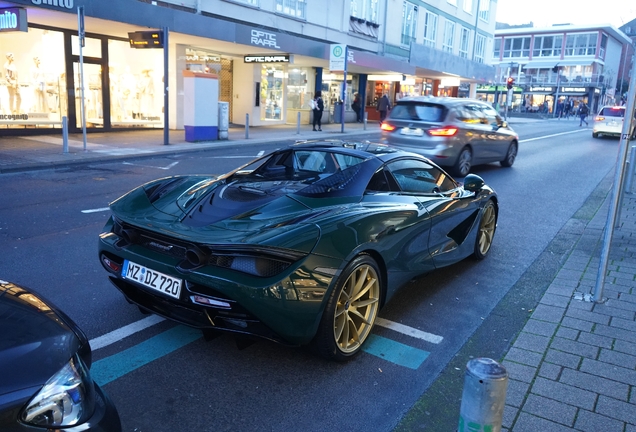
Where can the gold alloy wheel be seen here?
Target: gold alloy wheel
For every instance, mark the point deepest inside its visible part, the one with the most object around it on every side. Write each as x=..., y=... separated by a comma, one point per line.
x=357, y=308
x=487, y=229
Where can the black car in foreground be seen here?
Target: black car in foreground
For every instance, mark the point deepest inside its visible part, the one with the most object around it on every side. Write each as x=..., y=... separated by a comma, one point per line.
x=45, y=383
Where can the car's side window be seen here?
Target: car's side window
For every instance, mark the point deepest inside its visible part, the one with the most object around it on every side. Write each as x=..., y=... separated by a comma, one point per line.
x=491, y=115
x=470, y=113
x=382, y=181
x=417, y=176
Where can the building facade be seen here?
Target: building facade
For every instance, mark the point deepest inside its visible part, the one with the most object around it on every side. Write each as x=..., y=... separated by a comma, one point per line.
x=556, y=64
x=270, y=57
x=627, y=60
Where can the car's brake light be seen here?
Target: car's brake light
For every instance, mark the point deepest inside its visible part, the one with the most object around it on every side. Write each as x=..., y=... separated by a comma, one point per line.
x=617, y=107
x=599, y=118
x=445, y=131
x=387, y=127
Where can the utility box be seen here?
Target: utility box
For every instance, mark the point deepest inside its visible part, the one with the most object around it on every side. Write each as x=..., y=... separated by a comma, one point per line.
x=200, y=106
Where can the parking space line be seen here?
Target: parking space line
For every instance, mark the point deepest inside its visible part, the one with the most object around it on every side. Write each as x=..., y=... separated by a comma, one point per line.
x=124, y=332
x=409, y=331
x=395, y=352
x=124, y=362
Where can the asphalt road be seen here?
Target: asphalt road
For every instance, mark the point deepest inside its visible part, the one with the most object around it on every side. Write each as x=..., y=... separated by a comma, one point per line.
x=167, y=378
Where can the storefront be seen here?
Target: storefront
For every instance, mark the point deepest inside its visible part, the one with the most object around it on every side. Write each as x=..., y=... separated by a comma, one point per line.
x=395, y=87
x=45, y=64
x=497, y=95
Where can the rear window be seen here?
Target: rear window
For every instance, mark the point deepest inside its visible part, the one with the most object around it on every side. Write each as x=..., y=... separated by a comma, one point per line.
x=418, y=111
x=612, y=112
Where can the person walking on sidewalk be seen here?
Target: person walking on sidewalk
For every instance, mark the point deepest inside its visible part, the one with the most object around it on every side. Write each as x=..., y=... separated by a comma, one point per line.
x=384, y=105
x=318, y=107
x=355, y=106
x=583, y=111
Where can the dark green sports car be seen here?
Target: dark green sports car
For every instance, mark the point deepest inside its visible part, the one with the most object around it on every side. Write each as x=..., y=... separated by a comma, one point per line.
x=302, y=246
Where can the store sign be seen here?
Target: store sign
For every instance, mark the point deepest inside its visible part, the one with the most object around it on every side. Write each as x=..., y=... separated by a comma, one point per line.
x=283, y=58
x=13, y=19
x=337, y=57
x=146, y=39
x=573, y=89
x=261, y=38
x=68, y=4
x=541, y=89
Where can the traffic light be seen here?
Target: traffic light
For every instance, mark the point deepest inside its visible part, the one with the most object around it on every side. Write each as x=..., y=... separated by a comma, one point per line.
x=510, y=82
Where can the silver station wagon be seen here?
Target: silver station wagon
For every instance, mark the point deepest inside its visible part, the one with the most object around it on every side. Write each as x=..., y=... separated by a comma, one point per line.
x=456, y=133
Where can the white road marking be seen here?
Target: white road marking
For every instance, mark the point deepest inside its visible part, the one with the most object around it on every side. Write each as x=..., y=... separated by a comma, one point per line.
x=550, y=136
x=97, y=210
x=167, y=167
x=125, y=331
x=409, y=331
x=260, y=153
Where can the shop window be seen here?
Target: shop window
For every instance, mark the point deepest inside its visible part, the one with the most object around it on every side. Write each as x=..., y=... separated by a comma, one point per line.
x=299, y=89
x=136, y=82
x=92, y=47
x=272, y=85
x=33, y=82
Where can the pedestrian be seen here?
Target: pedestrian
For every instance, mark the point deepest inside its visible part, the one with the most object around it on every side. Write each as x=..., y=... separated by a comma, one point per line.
x=355, y=106
x=566, y=109
x=583, y=111
x=318, y=107
x=384, y=105
x=559, y=109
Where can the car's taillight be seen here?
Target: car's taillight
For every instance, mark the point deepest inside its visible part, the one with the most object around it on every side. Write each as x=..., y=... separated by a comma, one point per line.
x=387, y=127
x=599, y=118
x=444, y=131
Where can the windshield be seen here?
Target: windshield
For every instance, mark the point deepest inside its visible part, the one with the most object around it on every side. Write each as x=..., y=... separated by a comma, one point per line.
x=419, y=111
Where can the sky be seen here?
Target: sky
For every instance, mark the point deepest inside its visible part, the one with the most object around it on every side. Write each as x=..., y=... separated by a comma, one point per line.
x=544, y=13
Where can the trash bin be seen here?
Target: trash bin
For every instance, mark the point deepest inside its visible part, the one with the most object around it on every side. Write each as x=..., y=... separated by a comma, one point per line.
x=337, y=112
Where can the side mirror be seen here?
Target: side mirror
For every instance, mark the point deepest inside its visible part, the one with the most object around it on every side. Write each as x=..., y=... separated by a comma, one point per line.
x=473, y=183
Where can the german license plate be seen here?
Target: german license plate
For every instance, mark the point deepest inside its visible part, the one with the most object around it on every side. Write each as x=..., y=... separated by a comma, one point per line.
x=412, y=132
x=152, y=279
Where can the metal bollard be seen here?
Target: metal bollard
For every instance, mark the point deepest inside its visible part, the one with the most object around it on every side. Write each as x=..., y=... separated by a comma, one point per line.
x=247, y=126
x=630, y=170
x=484, y=396
x=366, y=116
x=298, y=124
x=64, y=134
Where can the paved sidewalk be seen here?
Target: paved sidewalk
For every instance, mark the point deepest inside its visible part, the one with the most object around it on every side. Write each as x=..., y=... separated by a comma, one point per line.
x=573, y=366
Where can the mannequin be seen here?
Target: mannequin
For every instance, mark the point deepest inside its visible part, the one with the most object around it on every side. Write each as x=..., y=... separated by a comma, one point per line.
x=146, y=93
x=11, y=75
x=37, y=80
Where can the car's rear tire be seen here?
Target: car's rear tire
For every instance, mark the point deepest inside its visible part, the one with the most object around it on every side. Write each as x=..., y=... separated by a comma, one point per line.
x=594, y=135
x=351, y=310
x=486, y=231
x=464, y=163
x=511, y=155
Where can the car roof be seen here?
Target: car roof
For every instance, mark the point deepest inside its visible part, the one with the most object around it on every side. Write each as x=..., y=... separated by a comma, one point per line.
x=442, y=100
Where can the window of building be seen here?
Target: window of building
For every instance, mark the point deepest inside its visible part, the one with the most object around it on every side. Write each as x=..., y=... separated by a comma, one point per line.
x=480, y=48
x=468, y=6
x=295, y=8
x=449, y=36
x=516, y=47
x=581, y=44
x=430, y=29
x=409, y=22
x=484, y=10
x=365, y=9
x=497, y=48
x=463, y=42
x=603, y=46
x=547, y=46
